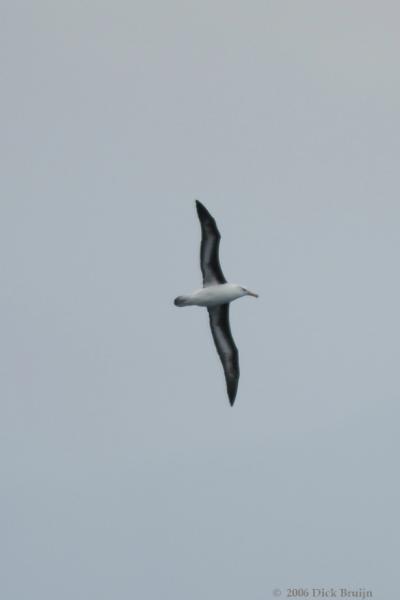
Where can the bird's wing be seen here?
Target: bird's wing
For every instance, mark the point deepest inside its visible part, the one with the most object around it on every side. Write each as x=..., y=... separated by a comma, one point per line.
x=226, y=348
x=209, y=255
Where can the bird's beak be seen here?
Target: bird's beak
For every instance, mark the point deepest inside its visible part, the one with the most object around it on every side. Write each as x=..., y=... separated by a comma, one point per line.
x=252, y=294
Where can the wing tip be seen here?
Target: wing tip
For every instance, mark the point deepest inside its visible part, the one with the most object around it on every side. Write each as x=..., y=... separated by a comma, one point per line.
x=206, y=219
x=201, y=209
x=204, y=214
x=232, y=396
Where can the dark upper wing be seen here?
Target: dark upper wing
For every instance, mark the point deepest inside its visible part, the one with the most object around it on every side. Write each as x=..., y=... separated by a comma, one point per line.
x=228, y=353
x=209, y=258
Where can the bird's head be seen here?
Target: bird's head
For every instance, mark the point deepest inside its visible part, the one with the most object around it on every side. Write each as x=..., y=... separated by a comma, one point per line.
x=246, y=292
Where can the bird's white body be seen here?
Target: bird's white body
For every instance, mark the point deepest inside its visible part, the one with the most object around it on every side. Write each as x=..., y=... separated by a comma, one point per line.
x=213, y=295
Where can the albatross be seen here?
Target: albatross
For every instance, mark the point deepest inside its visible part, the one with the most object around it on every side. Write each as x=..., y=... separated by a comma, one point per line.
x=216, y=295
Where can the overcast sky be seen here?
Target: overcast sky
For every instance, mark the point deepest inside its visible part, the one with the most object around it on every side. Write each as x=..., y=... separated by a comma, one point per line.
x=125, y=474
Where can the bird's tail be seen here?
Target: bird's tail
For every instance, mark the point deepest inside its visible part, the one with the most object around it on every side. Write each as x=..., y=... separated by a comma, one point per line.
x=181, y=301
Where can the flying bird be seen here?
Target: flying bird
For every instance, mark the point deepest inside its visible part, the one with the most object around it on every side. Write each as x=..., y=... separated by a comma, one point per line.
x=216, y=294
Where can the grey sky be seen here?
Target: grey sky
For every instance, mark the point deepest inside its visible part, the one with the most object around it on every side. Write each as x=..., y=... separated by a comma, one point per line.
x=124, y=472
